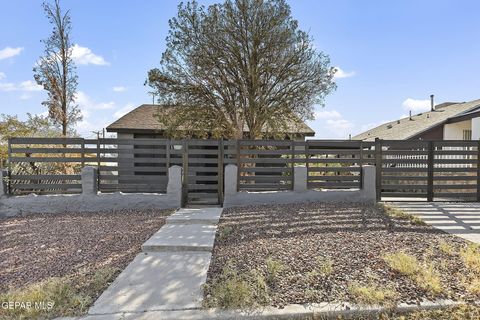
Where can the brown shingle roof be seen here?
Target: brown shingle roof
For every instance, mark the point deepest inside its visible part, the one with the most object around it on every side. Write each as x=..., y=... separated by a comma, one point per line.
x=405, y=128
x=144, y=119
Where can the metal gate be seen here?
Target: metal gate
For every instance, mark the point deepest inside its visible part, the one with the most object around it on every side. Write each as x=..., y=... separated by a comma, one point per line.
x=428, y=170
x=203, y=172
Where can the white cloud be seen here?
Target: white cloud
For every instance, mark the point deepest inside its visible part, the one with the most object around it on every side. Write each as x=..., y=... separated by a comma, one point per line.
x=27, y=85
x=339, y=127
x=119, y=89
x=416, y=105
x=96, y=115
x=123, y=111
x=86, y=103
x=325, y=114
x=330, y=124
x=9, y=52
x=2, y=75
x=85, y=56
x=339, y=74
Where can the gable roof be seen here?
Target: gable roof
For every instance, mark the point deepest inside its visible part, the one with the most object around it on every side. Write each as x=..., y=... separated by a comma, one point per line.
x=405, y=128
x=144, y=119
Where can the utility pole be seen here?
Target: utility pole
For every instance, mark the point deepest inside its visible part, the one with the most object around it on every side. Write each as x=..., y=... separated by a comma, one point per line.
x=153, y=97
x=98, y=133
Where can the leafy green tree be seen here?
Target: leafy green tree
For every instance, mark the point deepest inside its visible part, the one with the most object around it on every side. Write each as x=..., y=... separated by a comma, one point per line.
x=239, y=64
x=34, y=126
x=56, y=71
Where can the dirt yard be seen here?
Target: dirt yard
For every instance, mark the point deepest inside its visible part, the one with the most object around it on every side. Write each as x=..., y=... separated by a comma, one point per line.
x=37, y=247
x=83, y=250
x=318, y=252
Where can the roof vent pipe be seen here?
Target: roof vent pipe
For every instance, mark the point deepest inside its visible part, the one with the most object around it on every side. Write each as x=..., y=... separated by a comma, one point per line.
x=411, y=115
x=432, y=104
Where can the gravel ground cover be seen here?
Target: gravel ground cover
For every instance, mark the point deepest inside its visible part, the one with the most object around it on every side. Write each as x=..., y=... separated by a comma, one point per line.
x=37, y=247
x=318, y=252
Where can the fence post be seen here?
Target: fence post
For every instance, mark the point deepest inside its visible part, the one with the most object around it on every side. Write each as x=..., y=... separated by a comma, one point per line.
x=378, y=168
x=220, y=172
x=430, y=171
x=185, y=173
x=360, y=155
x=9, y=167
x=307, y=158
x=174, y=185
x=82, y=155
x=238, y=164
x=3, y=182
x=89, y=180
x=293, y=163
x=478, y=171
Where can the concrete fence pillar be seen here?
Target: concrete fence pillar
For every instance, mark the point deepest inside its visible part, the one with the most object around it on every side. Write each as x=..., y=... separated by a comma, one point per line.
x=300, y=179
x=3, y=182
x=369, y=182
x=230, y=179
x=174, y=186
x=89, y=181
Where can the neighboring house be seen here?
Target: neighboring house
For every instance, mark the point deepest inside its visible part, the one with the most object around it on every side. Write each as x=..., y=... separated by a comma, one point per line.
x=446, y=121
x=143, y=122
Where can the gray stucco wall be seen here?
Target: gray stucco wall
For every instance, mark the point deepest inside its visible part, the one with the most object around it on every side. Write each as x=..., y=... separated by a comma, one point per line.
x=91, y=201
x=300, y=192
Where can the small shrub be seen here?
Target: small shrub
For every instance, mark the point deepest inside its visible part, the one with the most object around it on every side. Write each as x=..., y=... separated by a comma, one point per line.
x=372, y=295
x=274, y=268
x=429, y=279
x=446, y=248
x=424, y=275
x=234, y=291
x=402, y=262
x=325, y=266
x=472, y=284
x=224, y=232
x=471, y=257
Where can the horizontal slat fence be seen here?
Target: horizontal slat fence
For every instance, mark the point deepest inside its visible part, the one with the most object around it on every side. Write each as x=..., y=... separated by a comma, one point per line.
x=409, y=169
x=53, y=165
x=430, y=170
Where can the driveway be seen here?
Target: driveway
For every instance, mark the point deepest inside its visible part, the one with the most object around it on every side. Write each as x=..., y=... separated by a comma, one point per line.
x=459, y=218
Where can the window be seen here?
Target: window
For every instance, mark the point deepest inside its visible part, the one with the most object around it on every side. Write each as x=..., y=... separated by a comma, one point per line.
x=467, y=134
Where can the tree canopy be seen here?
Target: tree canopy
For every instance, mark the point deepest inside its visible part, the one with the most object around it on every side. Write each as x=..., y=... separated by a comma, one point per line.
x=239, y=64
x=34, y=126
x=55, y=70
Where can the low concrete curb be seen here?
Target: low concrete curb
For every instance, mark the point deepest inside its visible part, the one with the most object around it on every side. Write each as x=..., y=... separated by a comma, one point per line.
x=292, y=311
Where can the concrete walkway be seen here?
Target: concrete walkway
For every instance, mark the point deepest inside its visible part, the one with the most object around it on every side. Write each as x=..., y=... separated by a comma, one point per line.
x=459, y=218
x=169, y=273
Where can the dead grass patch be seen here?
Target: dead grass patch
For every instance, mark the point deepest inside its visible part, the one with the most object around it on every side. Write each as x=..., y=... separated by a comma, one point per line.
x=236, y=291
x=401, y=215
x=56, y=297
x=423, y=274
x=471, y=257
x=372, y=295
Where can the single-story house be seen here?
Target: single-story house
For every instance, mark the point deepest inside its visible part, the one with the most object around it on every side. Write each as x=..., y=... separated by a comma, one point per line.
x=446, y=121
x=143, y=122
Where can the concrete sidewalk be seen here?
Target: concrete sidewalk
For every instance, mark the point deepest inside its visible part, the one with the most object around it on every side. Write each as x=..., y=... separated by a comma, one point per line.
x=459, y=218
x=170, y=271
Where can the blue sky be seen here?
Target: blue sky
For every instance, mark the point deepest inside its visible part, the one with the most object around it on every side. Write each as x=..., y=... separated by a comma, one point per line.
x=392, y=56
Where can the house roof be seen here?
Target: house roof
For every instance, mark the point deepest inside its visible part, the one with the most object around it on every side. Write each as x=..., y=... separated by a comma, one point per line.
x=144, y=119
x=405, y=128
